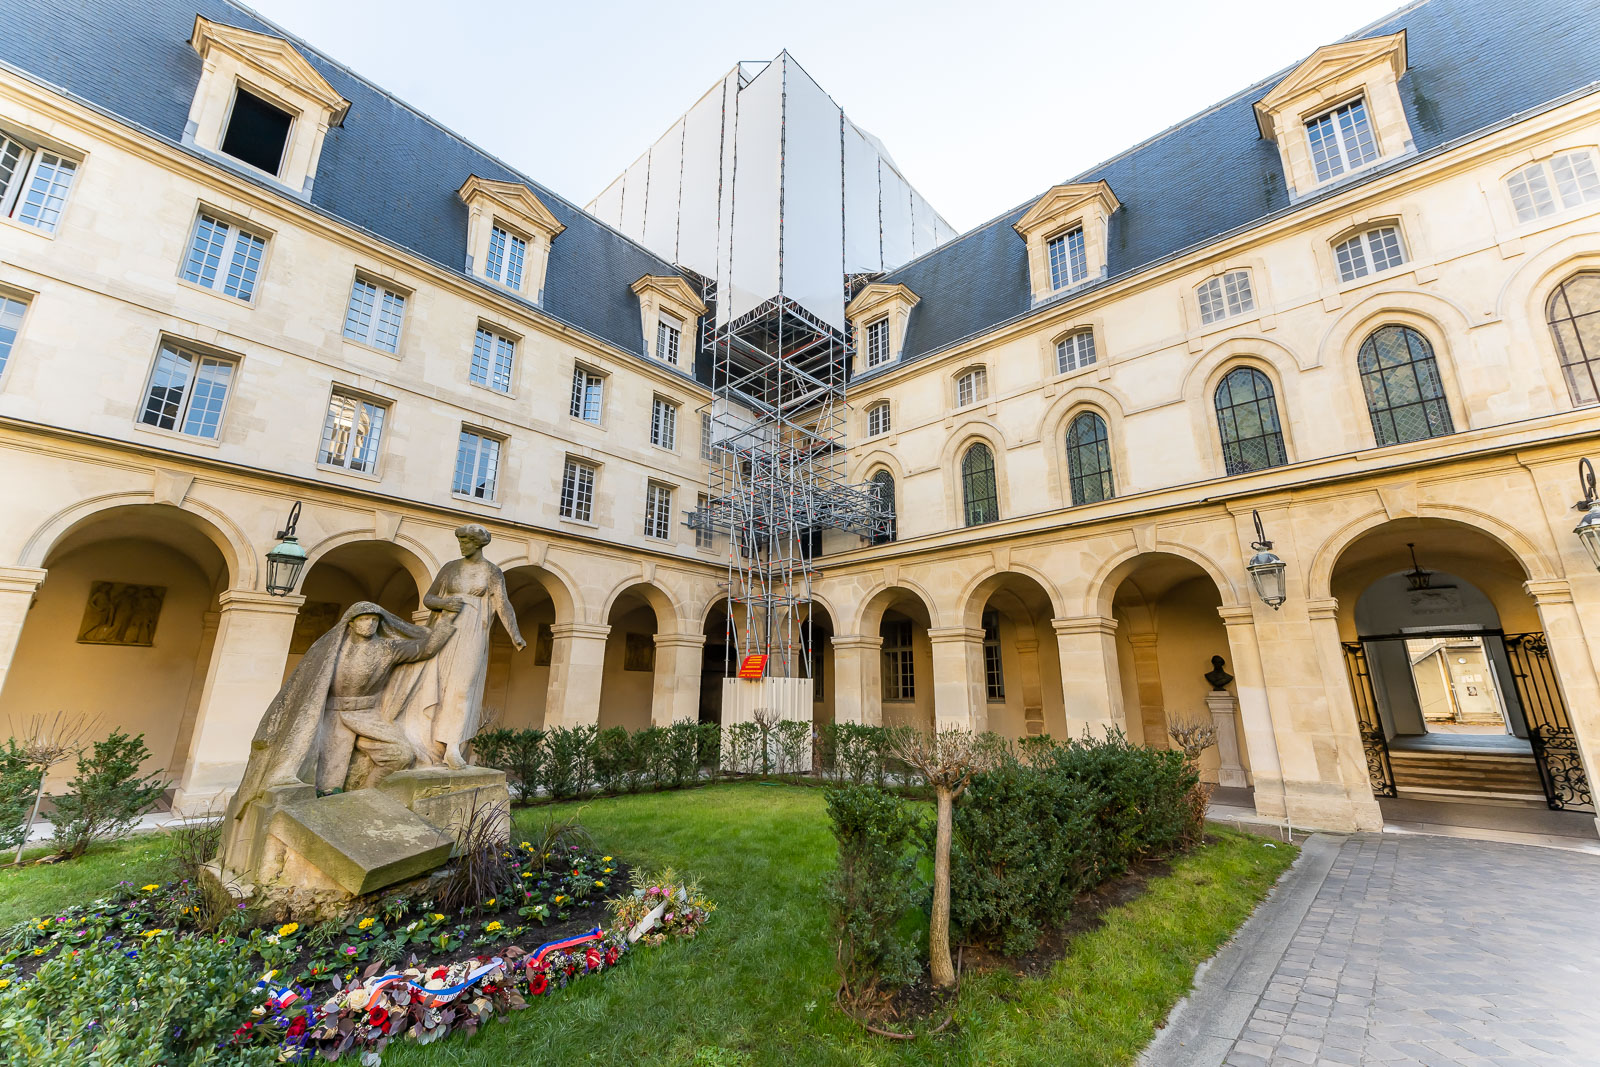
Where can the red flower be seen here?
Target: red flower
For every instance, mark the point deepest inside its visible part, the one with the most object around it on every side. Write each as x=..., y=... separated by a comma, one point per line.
x=490, y=987
x=591, y=958
x=297, y=1027
x=439, y=972
x=377, y=1017
x=612, y=955
x=537, y=985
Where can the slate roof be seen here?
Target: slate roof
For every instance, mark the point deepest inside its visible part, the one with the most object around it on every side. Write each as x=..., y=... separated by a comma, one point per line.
x=389, y=169
x=1473, y=63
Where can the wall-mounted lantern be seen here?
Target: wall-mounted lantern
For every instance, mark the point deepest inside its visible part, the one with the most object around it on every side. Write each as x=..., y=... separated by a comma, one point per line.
x=286, y=559
x=1588, y=528
x=1267, y=571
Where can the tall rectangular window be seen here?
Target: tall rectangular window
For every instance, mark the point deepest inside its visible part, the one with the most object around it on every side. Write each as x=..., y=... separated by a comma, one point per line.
x=993, y=676
x=352, y=433
x=577, y=491
x=375, y=315
x=703, y=538
x=658, y=511
x=187, y=392
x=899, y=666
x=507, y=253
x=1068, y=262
x=664, y=424
x=877, y=342
x=587, y=394
x=477, y=465
x=492, y=358
x=669, y=338
x=224, y=258
x=705, y=435
x=34, y=183
x=10, y=324
x=1341, y=140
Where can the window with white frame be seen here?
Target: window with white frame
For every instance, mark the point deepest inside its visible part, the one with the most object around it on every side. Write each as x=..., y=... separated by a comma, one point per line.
x=994, y=679
x=703, y=537
x=705, y=435
x=1075, y=351
x=972, y=386
x=187, y=392
x=492, y=359
x=658, y=511
x=352, y=433
x=1068, y=264
x=258, y=131
x=224, y=257
x=664, y=424
x=1376, y=250
x=477, y=465
x=899, y=663
x=1553, y=185
x=877, y=337
x=577, y=491
x=34, y=183
x=588, y=390
x=375, y=315
x=878, y=419
x=1341, y=139
x=507, y=255
x=669, y=339
x=1224, y=297
x=11, y=311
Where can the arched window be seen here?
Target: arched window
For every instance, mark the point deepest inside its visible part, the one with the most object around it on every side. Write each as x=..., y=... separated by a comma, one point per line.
x=978, y=493
x=1247, y=418
x=1574, y=314
x=1224, y=297
x=1089, y=459
x=972, y=386
x=883, y=482
x=1075, y=351
x=878, y=419
x=1400, y=379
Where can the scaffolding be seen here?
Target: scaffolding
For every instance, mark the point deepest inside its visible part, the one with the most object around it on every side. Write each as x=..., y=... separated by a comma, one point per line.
x=778, y=417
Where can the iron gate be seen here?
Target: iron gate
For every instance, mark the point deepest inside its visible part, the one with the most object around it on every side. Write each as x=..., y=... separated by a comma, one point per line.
x=1555, y=746
x=1373, y=741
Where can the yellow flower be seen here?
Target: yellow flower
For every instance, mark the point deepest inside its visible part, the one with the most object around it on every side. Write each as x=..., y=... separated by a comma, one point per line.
x=152, y=933
x=559, y=899
x=491, y=928
x=150, y=888
x=527, y=874
x=39, y=951
x=599, y=883
x=287, y=928
x=527, y=846
x=608, y=870
x=366, y=924
x=436, y=917
x=4, y=982
x=605, y=859
x=489, y=903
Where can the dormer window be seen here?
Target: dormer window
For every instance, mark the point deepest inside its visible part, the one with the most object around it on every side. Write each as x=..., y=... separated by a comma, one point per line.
x=1066, y=235
x=1225, y=297
x=1068, y=266
x=877, y=334
x=508, y=235
x=257, y=132
x=669, y=338
x=1341, y=140
x=1553, y=185
x=879, y=316
x=507, y=254
x=668, y=305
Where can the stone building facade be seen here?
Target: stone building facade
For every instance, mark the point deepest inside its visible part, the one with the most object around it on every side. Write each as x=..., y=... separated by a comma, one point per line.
x=1360, y=300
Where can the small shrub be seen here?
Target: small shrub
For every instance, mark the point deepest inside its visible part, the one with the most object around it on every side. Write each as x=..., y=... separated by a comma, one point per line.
x=1143, y=794
x=739, y=744
x=682, y=754
x=481, y=866
x=790, y=741
x=875, y=888
x=107, y=796
x=652, y=756
x=520, y=753
x=709, y=743
x=19, y=783
x=614, y=762
x=569, y=759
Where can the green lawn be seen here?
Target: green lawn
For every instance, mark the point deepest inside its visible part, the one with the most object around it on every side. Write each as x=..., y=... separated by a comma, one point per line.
x=757, y=986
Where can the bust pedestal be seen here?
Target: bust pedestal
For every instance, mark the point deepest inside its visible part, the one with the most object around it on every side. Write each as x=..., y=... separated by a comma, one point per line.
x=1222, y=705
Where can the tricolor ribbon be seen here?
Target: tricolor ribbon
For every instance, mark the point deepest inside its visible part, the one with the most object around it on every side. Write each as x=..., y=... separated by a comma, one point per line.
x=433, y=997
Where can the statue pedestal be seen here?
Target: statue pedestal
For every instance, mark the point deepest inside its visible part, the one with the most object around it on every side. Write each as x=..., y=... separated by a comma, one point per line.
x=1222, y=706
x=307, y=856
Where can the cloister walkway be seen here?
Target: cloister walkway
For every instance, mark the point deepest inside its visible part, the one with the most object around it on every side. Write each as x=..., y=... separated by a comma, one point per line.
x=1405, y=949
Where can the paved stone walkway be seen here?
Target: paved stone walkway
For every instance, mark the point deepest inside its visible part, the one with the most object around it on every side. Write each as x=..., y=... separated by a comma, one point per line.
x=1403, y=949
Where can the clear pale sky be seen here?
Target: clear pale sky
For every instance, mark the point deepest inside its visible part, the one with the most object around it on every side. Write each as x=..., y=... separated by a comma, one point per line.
x=982, y=104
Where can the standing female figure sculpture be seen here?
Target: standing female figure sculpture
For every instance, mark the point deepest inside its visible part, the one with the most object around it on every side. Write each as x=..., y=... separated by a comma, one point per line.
x=480, y=588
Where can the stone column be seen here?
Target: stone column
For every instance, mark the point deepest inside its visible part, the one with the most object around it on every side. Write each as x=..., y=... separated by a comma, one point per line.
x=17, y=587
x=858, y=679
x=675, y=693
x=1032, y=683
x=1343, y=725
x=1260, y=737
x=1573, y=662
x=245, y=673
x=197, y=688
x=959, y=701
x=1230, y=772
x=1147, y=683
x=577, y=665
x=1091, y=688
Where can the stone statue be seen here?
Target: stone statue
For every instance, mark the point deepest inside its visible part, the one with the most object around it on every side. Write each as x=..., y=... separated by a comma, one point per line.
x=1218, y=677
x=475, y=590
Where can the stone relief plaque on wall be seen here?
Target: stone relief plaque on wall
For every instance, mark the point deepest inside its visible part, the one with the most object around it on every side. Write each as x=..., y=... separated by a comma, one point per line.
x=316, y=618
x=121, y=614
x=639, y=653
x=1444, y=600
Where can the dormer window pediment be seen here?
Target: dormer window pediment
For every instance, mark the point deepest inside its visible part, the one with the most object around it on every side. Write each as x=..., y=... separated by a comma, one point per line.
x=669, y=314
x=260, y=104
x=1065, y=231
x=878, y=317
x=509, y=231
x=1338, y=112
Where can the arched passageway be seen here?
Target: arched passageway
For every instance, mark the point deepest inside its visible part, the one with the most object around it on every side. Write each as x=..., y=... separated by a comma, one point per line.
x=628, y=684
x=905, y=691
x=1021, y=665
x=380, y=571
x=517, y=688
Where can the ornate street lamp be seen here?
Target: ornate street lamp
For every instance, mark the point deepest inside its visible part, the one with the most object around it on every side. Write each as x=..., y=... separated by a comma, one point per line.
x=1266, y=569
x=1588, y=528
x=1418, y=577
x=286, y=559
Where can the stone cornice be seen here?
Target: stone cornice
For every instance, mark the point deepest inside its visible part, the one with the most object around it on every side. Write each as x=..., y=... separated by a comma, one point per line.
x=880, y=297
x=513, y=199
x=1062, y=201
x=673, y=291
x=271, y=56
